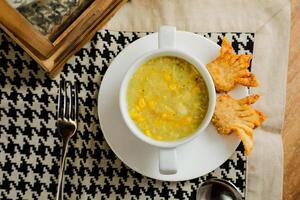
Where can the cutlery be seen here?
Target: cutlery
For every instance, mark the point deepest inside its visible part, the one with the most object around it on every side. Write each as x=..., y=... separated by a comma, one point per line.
x=67, y=113
x=218, y=189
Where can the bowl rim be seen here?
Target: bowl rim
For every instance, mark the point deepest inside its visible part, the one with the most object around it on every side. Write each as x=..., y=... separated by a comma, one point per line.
x=123, y=94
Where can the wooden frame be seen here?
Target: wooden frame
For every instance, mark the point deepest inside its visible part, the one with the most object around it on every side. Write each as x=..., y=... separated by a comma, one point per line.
x=53, y=55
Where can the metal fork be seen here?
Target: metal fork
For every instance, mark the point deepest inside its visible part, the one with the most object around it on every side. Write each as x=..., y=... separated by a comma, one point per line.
x=67, y=112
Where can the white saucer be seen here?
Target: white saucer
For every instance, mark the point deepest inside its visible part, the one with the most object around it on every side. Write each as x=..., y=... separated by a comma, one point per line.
x=197, y=158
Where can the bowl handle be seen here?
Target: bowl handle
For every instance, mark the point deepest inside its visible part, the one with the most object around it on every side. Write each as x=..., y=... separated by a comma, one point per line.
x=168, y=161
x=166, y=37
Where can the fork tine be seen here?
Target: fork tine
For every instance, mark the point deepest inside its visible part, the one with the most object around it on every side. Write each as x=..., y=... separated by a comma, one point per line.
x=70, y=100
x=60, y=102
x=65, y=100
x=75, y=102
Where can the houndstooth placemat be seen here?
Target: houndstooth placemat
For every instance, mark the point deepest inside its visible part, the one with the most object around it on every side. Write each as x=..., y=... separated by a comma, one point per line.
x=30, y=145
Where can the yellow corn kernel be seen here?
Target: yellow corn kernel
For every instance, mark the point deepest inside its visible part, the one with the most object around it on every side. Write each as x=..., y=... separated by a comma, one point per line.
x=164, y=116
x=173, y=125
x=145, y=126
x=168, y=109
x=157, y=122
x=173, y=87
x=133, y=114
x=152, y=104
x=147, y=132
x=137, y=107
x=142, y=103
x=196, y=90
x=186, y=120
x=189, y=119
x=196, y=117
x=167, y=76
x=158, y=137
x=139, y=119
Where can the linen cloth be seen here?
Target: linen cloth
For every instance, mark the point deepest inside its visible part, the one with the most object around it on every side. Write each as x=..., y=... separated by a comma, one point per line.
x=270, y=21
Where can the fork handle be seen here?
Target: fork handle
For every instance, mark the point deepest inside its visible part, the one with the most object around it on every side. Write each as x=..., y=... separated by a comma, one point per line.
x=60, y=187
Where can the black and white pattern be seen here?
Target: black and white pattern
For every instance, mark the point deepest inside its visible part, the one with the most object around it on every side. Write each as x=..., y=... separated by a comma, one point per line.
x=30, y=145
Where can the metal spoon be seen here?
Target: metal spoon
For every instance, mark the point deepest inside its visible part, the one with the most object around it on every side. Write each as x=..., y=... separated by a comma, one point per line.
x=218, y=189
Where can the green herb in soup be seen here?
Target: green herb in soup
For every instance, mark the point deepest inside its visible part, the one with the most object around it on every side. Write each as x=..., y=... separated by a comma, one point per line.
x=167, y=98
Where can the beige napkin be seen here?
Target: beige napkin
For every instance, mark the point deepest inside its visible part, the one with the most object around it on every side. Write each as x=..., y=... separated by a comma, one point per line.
x=270, y=21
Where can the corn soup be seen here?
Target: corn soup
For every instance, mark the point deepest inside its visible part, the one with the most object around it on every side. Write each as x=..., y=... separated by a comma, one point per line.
x=167, y=98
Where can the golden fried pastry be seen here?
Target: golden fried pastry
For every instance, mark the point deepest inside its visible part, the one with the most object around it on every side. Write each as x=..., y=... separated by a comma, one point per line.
x=237, y=116
x=230, y=69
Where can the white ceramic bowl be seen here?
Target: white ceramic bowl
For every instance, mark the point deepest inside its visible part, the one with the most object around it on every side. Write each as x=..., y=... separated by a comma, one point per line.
x=167, y=47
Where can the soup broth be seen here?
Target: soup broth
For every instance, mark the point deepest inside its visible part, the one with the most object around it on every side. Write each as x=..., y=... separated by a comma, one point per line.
x=167, y=98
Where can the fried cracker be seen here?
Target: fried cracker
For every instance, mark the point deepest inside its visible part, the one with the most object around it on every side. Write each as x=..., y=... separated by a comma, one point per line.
x=237, y=116
x=230, y=69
